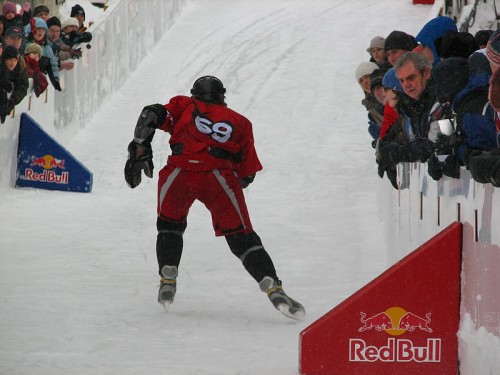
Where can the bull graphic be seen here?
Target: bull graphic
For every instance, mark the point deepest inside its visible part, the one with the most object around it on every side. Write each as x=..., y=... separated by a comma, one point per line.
x=410, y=322
x=380, y=322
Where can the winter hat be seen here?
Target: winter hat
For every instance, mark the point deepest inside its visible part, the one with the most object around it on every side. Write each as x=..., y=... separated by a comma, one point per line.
x=377, y=42
x=9, y=7
x=494, y=91
x=376, y=77
x=482, y=37
x=10, y=52
x=40, y=9
x=13, y=32
x=33, y=48
x=493, y=50
x=53, y=21
x=458, y=44
x=72, y=21
x=399, y=40
x=39, y=24
x=450, y=76
x=479, y=65
x=77, y=9
x=390, y=81
x=433, y=31
x=364, y=69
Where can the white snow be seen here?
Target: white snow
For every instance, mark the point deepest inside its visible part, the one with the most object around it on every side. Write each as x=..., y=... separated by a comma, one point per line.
x=78, y=272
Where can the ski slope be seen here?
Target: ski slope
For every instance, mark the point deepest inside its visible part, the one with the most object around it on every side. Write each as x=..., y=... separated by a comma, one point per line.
x=78, y=272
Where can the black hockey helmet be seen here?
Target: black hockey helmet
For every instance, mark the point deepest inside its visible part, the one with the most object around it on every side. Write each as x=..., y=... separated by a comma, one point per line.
x=209, y=89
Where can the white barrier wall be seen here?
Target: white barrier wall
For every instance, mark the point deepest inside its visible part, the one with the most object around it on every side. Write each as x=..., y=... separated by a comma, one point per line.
x=426, y=207
x=120, y=40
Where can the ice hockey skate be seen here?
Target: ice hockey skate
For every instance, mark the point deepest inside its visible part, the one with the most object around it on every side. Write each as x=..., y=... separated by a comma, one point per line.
x=168, y=286
x=286, y=305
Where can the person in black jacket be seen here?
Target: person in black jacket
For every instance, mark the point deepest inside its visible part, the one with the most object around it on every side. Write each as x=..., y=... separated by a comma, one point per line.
x=8, y=62
x=420, y=105
x=462, y=85
x=19, y=76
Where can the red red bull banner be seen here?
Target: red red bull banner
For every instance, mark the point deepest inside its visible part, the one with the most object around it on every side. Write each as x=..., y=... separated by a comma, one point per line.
x=43, y=163
x=403, y=322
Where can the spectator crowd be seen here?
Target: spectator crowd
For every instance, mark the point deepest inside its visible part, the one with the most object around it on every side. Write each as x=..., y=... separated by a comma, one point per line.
x=35, y=45
x=435, y=98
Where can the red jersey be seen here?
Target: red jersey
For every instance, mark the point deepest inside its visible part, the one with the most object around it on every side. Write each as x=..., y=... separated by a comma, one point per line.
x=201, y=130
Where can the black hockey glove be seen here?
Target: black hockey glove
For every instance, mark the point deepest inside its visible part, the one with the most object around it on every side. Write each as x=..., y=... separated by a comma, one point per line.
x=448, y=144
x=451, y=167
x=390, y=155
x=485, y=167
x=435, y=168
x=392, y=175
x=419, y=150
x=57, y=85
x=244, y=182
x=140, y=157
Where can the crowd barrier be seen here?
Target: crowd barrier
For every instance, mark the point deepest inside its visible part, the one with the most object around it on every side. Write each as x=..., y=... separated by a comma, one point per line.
x=120, y=40
x=425, y=207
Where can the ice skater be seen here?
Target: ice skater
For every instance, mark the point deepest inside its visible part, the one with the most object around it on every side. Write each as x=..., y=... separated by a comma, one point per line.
x=213, y=159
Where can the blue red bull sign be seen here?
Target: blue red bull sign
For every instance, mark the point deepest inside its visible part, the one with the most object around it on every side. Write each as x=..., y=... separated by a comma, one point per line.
x=43, y=163
x=403, y=322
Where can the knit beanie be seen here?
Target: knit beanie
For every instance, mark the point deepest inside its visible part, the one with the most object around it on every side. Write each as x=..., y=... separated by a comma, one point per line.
x=10, y=52
x=53, y=21
x=70, y=22
x=482, y=36
x=450, y=76
x=39, y=24
x=494, y=92
x=493, y=50
x=33, y=48
x=376, y=77
x=364, y=69
x=40, y=9
x=457, y=44
x=9, y=7
x=377, y=42
x=77, y=9
x=390, y=81
x=399, y=40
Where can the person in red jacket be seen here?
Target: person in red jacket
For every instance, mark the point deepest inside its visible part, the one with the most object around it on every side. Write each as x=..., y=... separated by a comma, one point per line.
x=213, y=159
x=32, y=54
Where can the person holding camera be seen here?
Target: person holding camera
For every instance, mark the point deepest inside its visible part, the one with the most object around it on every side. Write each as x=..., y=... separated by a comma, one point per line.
x=71, y=36
x=462, y=87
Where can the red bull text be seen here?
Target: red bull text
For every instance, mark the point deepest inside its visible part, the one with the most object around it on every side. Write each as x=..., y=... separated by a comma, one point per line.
x=47, y=162
x=396, y=350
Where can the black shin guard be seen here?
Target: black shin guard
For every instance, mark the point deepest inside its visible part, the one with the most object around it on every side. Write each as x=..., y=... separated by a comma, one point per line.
x=249, y=249
x=169, y=243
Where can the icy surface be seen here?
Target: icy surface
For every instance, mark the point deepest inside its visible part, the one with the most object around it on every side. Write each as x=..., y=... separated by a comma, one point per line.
x=78, y=278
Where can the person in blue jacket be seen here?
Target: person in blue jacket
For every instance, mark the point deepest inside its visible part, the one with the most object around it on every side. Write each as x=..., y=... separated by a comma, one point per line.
x=462, y=87
x=430, y=36
x=37, y=32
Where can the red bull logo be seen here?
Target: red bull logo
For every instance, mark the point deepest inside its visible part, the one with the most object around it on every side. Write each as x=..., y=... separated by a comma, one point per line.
x=395, y=321
x=47, y=162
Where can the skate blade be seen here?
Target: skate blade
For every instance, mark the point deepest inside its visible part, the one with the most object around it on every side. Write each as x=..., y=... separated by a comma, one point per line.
x=165, y=305
x=298, y=315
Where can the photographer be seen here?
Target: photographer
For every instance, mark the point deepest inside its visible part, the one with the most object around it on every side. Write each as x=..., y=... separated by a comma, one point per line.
x=70, y=34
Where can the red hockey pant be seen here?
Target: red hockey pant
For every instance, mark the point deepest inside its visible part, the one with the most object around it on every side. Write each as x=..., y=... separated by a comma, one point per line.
x=219, y=190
